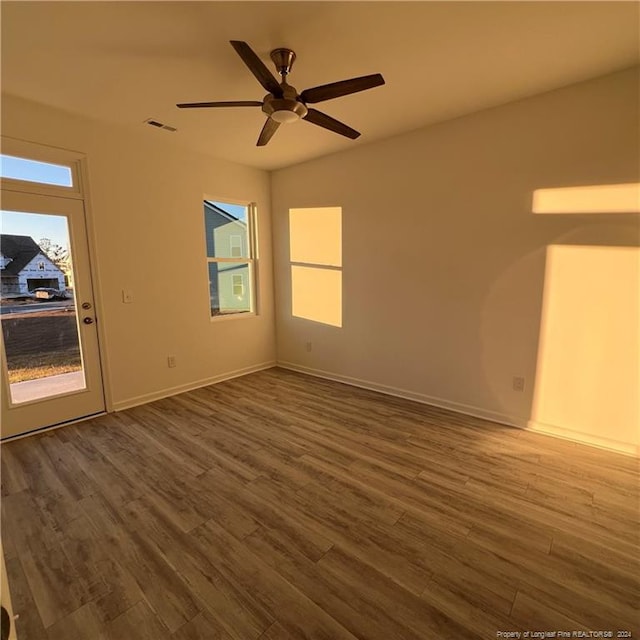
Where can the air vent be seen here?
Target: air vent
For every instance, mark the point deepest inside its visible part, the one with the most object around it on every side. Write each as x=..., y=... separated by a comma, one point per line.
x=159, y=125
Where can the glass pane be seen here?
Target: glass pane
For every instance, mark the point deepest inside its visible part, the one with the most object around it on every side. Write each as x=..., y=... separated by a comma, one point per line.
x=35, y=171
x=38, y=308
x=226, y=228
x=230, y=287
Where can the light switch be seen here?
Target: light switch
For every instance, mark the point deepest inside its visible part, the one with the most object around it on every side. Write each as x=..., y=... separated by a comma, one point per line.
x=127, y=296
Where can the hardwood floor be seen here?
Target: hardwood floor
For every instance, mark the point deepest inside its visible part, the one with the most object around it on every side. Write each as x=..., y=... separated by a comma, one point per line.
x=283, y=507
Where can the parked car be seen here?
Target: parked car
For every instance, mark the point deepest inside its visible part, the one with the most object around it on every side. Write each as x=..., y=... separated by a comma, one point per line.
x=46, y=293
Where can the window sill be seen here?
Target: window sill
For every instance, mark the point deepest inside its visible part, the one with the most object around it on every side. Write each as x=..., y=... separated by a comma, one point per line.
x=233, y=316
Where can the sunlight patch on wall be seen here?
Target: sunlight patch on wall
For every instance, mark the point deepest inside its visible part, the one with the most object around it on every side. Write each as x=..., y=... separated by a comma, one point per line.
x=315, y=236
x=588, y=373
x=315, y=245
x=317, y=294
x=605, y=198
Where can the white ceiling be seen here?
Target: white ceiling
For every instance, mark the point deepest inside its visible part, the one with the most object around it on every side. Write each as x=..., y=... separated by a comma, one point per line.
x=124, y=62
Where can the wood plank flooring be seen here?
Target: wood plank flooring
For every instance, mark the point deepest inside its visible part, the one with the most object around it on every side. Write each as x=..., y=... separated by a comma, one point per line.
x=283, y=507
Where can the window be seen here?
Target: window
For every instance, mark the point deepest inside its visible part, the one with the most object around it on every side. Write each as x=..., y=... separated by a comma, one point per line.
x=236, y=246
x=229, y=231
x=315, y=246
x=238, y=286
x=40, y=266
x=35, y=171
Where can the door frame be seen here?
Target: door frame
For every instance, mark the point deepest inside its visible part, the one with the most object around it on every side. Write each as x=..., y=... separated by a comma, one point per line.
x=77, y=162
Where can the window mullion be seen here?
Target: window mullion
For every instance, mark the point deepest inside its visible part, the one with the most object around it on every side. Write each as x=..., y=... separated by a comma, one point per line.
x=316, y=265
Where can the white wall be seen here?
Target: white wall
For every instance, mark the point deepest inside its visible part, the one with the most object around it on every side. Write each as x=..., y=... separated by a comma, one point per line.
x=444, y=261
x=146, y=221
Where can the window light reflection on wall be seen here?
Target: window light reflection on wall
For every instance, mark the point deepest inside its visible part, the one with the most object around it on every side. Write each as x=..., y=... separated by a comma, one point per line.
x=601, y=198
x=315, y=245
x=588, y=370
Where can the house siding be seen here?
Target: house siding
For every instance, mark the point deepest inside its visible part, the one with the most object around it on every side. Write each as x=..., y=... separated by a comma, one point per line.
x=31, y=275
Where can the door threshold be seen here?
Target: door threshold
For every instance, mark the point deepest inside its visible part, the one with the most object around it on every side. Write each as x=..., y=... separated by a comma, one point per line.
x=50, y=427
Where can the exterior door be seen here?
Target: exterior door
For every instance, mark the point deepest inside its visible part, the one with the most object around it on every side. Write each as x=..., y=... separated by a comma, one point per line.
x=51, y=370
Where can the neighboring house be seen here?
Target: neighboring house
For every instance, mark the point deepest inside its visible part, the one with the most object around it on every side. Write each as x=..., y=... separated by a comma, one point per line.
x=227, y=238
x=24, y=266
x=67, y=269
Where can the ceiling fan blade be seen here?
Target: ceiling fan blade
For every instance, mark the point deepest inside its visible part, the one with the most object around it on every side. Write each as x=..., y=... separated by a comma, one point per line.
x=270, y=127
x=257, y=67
x=342, y=88
x=237, y=103
x=323, y=120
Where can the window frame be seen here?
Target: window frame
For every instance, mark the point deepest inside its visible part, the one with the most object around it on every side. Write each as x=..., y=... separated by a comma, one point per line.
x=52, y=155
x=251, y=259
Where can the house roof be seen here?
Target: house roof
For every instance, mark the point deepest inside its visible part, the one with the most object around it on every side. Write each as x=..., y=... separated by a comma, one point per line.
x=21, y=250
x=225, y=214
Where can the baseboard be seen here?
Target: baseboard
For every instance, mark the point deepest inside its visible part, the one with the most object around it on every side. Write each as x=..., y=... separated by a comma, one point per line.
x=466, y=409
x=627, y=448
x=173, y=391
x=470, y=410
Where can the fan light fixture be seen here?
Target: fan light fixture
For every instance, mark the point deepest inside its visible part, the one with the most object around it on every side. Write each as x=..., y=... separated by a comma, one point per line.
x=284, y=110
x=284, y=116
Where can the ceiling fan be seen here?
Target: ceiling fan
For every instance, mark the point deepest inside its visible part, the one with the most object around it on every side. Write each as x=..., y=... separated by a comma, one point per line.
x=283, y=104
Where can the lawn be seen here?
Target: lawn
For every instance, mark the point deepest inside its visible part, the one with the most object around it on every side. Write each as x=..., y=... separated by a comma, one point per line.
x=41, y=344
x=53, y=363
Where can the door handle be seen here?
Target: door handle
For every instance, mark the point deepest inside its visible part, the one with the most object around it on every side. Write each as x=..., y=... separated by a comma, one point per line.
x=87, y=320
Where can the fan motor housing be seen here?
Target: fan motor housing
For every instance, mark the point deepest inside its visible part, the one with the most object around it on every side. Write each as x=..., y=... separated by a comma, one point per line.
x=271, y=105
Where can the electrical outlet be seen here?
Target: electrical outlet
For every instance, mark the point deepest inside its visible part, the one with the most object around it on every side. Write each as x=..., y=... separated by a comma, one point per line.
x=308, y=346
x=518, y=383
x=171, y=361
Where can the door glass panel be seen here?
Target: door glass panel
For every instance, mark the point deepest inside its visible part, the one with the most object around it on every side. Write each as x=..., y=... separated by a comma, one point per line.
x=35, y=171
x=38, y=307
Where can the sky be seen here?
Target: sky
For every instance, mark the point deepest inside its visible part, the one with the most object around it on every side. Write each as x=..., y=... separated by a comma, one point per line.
x=34, y=171
x=237, y=210
x=36, y=225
